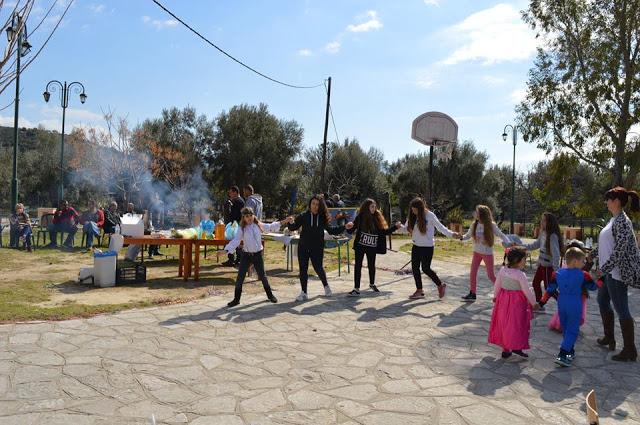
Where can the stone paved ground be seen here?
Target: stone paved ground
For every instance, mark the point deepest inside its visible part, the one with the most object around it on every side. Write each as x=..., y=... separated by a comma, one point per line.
x=379, y=359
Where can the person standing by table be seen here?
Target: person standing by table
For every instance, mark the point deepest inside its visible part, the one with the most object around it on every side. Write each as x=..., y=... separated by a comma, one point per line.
x=156, y=220
x=233, y=208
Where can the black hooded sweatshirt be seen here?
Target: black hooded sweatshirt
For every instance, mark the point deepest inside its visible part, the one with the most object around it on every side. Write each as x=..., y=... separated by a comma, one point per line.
x=313, y=227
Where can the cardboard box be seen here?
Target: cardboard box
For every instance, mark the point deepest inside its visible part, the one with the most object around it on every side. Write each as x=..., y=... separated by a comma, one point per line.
x=132, y=226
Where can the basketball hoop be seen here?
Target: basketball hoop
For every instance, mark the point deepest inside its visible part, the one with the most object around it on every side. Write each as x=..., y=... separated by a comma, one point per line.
x=435, y=129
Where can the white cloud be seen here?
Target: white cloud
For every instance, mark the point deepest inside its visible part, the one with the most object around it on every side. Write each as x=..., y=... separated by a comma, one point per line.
x=159, y=24
x=97, y=9
x=493, y=80
x=333, y=47
x=8, y=122
x=372, y=24
x=424, y=82
x=518, y=95
x=431, y=2
x=305, y=52
x=493, y=35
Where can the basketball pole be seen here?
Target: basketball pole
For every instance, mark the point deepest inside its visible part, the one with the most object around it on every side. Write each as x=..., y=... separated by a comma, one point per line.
x=431, y=177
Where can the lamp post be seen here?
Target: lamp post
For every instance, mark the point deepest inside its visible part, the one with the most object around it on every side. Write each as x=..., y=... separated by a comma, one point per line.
x=54, y=85
x=18, y=29
x=514, y=133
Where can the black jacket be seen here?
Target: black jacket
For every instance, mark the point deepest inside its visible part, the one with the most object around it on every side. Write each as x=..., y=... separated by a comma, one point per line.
x=375, y=242
x=235, y=210
x=313, y=227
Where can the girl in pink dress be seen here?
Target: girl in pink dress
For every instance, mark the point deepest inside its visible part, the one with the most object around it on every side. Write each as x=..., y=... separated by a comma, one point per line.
x=514, y=305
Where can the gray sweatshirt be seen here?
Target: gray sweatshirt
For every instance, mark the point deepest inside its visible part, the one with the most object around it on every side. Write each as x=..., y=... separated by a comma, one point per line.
x=545, y=258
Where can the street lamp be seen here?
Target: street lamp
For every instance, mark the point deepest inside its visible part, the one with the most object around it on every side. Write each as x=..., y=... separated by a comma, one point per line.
x=514, y=133
x=55, y=85
x=18, y=29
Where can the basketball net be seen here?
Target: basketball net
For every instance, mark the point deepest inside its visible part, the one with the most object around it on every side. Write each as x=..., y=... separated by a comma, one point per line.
x=443, y=152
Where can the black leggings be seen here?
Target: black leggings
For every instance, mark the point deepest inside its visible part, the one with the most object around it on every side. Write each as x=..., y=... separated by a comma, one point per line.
x=422, y=256
x=371, y=263
x=316, y=256
x=257, y=260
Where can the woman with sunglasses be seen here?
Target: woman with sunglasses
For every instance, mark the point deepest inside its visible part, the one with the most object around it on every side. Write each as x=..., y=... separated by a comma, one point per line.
x=619, y=261
x=250, y=235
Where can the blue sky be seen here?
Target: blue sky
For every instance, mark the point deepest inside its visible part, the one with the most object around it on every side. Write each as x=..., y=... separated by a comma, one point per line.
x=390, y=61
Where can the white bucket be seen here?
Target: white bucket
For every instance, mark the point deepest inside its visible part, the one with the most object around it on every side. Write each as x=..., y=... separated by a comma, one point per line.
x=116, y=242
x=104, y=266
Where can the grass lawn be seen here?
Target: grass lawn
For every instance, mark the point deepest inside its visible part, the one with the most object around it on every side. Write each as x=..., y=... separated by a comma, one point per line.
x=42, y=285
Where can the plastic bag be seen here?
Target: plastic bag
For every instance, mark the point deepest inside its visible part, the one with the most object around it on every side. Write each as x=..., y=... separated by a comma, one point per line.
x=230, y=230
x=132, y=252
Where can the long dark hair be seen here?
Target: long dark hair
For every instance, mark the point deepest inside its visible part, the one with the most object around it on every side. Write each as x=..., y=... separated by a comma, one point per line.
x=368, y=221
x=421, y=218
x=624, y=195
x=552, y=228
x=484, y=216
x=322, y=208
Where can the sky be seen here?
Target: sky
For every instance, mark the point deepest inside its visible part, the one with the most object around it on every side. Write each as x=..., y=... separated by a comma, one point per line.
x=389, y=61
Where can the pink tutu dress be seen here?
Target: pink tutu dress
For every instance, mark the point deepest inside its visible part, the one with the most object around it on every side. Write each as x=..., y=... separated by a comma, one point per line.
x=511, y=318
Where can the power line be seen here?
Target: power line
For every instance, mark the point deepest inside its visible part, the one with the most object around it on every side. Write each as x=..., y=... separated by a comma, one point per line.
x=228, y=55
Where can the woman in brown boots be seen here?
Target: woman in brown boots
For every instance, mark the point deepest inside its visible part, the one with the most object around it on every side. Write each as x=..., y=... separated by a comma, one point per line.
x=619, y=260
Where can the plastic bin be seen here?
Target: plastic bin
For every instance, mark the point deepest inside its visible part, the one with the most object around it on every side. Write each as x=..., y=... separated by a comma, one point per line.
x=104, y=265
x=132, y=274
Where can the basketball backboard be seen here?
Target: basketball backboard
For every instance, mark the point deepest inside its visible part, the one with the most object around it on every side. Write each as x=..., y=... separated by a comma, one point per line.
x=434, y=129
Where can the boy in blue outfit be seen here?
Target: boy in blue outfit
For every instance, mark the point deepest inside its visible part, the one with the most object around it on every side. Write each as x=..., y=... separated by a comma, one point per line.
x=569, y=281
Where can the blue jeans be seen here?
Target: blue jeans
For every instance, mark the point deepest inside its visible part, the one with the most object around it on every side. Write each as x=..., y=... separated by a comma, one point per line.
x=614, y=291
x=16, y=234
x=64, y=227
x=90, y=229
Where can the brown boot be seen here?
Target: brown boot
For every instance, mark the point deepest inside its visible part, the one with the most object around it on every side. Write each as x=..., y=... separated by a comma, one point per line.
x=608, y=323
x=629, y=351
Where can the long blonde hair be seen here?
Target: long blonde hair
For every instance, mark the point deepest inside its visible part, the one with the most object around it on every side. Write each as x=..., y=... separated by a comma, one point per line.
x=484, y=216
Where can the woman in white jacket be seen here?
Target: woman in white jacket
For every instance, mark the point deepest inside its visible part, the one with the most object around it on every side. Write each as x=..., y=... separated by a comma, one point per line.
x=421, y=224
x=250, y=234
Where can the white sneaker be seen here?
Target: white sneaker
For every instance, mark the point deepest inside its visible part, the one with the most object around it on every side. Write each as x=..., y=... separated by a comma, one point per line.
x=303, y=296
x=327, y=291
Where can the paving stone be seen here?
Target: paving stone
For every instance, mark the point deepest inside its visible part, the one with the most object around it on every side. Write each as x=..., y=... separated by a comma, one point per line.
x=218, y=420
x=265, y=402
x=309, y=400
x=355, y=392
x=213, y=405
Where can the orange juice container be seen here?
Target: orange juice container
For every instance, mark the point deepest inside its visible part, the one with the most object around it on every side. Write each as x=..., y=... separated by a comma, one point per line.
x=220, y=230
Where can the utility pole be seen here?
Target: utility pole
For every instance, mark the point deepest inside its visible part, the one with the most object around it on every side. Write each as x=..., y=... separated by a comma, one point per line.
x=324, y=143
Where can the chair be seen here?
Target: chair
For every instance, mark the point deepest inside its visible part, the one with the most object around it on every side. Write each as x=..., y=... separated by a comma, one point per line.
x=45, y=221
x=592, y=408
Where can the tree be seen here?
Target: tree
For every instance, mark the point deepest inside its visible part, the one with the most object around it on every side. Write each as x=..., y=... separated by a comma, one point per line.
x=252, y=146
x=22, y=10
x=174, y=144
x=351, y=172
x=109, y=157
x=584, y=89
x=455, y=182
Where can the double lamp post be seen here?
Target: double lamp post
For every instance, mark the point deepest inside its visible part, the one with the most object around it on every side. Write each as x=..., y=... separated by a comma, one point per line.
x=52, y=86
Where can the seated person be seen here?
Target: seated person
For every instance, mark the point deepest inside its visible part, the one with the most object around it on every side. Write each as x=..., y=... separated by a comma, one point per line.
x=111, y=218
x=92, y=220
x=65, y=219
x=130, y=209
x=20, y=229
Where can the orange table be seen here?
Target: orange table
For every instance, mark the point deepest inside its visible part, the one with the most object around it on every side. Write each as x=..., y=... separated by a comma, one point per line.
x=186, y=249
x=205, y=242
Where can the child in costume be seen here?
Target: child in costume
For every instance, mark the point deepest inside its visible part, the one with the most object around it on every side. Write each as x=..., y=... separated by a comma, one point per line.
x=569, y=282
x=514, y=304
